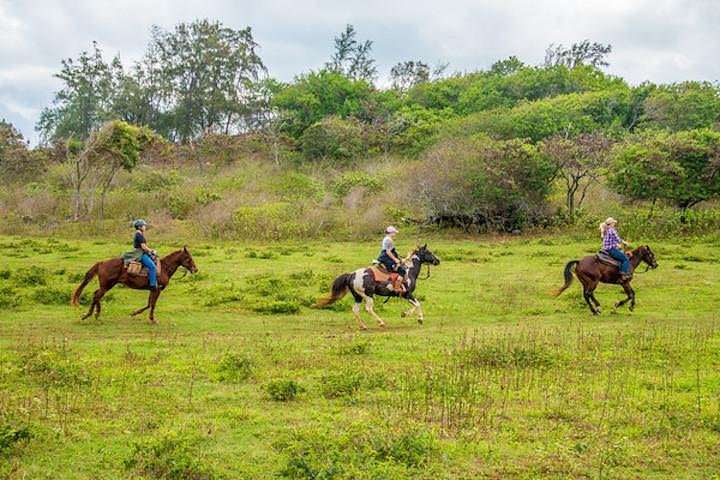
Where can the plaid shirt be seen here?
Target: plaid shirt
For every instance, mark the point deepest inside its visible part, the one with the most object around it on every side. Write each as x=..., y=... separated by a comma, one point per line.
x=611, y=239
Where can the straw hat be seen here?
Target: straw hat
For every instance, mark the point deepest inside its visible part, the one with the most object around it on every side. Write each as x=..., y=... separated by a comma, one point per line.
x=610, y=221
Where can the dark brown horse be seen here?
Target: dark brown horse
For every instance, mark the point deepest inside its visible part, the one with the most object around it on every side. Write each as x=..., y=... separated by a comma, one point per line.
x=591, y=271
x=111, y=272
x=362, y=285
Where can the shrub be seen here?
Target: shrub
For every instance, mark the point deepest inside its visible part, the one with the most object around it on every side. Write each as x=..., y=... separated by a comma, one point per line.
x=51, y=296
x=357, y=451
x=172, y=457
x=5, y=274
x=485, y=184
x=271, y=221
x=8, y=297
x=283, y=390
x=10, y=434
x=333, y=138
x=234, y=367
x=31, y=276
x=343, y=384
x=277, y=307
x=347, y=181
x=297, y=186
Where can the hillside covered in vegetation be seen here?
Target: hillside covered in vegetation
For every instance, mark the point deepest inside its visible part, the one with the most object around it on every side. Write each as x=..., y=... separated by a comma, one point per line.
x=198, y=137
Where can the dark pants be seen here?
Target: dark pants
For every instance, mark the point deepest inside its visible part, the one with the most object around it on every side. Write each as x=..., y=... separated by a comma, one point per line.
x=618, y=254
x=390, y=265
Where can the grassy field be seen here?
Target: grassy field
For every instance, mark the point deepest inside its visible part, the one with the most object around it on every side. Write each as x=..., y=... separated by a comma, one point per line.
x=241, y=379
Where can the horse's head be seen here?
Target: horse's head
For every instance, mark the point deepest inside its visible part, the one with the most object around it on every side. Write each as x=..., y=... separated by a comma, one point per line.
x=647, y=256
x=186, y=260
x=426, y=256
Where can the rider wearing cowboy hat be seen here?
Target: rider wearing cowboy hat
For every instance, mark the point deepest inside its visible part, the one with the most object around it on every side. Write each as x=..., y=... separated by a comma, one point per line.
x=611, y=242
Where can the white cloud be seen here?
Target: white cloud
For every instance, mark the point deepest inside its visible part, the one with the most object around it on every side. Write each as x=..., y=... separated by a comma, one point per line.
x=656, y=40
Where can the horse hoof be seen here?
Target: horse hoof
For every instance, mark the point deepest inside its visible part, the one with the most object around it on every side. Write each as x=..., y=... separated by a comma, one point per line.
x=420, y=321
x=403, y=314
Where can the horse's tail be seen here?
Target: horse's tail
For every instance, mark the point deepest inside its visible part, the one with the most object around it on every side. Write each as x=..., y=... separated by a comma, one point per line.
x=88, y=276
x=338, y=290
x=568, y=277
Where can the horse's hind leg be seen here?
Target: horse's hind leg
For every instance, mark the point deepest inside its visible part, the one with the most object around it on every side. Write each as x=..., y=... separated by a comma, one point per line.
x=95, y=305
x=140, y=310
x=356, y=313
x=369, y=307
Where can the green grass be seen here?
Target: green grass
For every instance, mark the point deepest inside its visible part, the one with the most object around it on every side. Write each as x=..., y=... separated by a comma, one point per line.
x=242, y=379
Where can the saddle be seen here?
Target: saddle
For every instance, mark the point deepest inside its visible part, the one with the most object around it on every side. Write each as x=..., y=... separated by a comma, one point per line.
x=383, y=275
x=605, y=258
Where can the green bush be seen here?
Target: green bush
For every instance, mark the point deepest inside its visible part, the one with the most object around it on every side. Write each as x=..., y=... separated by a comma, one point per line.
x=333, y=138
x=234, y=367
x=8, y=297
x=172, y=456
x=283, y=390
x=10, y=434
x=296, y=186
x=276, y=307
x=339, y=385
x=51, y=296
x=31, y=276
x=271, y=221
x=358, y=451
x=348, y=181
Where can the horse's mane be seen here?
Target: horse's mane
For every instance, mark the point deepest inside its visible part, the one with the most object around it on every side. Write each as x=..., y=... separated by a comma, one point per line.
x=408, y=257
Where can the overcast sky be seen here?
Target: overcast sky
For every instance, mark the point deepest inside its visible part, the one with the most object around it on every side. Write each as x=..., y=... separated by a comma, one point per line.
x=657, y=40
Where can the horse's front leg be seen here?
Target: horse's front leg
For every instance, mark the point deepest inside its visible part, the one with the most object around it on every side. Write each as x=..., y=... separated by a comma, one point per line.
x=154, y=294
x=415, y=306
x=630, y=297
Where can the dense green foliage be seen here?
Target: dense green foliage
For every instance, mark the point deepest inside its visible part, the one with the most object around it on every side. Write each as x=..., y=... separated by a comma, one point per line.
x=565, y=128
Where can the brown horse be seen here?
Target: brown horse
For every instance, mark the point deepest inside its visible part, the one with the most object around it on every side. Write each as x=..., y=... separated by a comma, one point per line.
x=111, y=272
x=591, y=271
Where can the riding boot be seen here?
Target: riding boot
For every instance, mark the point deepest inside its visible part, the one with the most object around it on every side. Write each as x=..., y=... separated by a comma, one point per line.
x=399, y=285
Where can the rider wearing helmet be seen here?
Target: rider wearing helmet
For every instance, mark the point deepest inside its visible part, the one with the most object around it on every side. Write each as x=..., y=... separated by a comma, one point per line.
x=389, y=256
x=611, y=242
x=147, y=255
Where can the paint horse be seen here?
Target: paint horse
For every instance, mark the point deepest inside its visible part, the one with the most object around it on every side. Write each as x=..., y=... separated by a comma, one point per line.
x=363, y=285
x=111, y=272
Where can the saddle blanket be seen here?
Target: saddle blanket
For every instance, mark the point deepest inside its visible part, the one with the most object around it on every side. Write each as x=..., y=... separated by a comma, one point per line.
x=382, y=275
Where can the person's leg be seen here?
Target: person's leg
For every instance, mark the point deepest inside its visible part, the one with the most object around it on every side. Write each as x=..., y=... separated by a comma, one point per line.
x=618, y=254
x=152, y=269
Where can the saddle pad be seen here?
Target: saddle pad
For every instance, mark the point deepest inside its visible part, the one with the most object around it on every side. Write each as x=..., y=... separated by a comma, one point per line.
x=382, y=275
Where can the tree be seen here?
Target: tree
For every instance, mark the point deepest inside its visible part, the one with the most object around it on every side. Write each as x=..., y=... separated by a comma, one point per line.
x=486, y=184
x=85, y=101
x=317, y=95
x=682, y=106
x=682, y=168
x=583, y=53
x=333, y=138
x=203, y=72
x=578, y=162
x=116, y=145
x=406, y=75
x=352, y=58
x=15, y=159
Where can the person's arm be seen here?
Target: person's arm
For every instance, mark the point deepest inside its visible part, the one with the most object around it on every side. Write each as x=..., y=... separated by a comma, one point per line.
x=389, y=253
